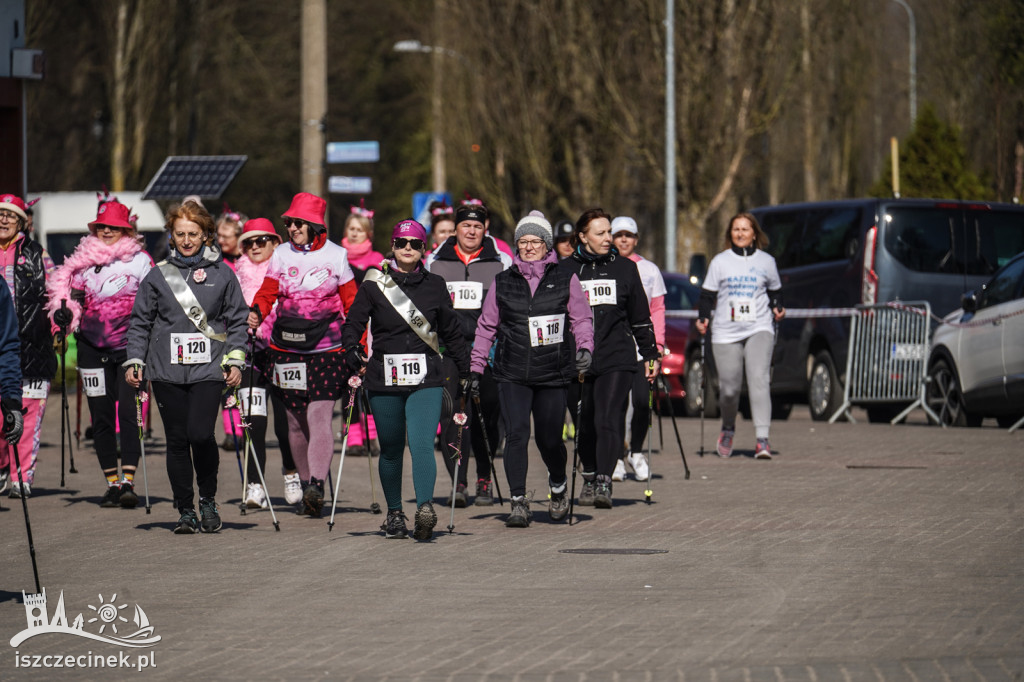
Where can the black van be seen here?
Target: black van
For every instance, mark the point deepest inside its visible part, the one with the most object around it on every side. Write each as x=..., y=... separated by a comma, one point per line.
x=836, y=254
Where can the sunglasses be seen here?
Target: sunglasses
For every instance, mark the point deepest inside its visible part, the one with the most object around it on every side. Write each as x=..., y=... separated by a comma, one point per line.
x=104, y=228
x=258, y=241
x=288, y=222
x=402, y=242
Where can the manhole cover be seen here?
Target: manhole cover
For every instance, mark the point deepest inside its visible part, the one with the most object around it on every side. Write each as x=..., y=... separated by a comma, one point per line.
x=881, y=466
x=607, y=550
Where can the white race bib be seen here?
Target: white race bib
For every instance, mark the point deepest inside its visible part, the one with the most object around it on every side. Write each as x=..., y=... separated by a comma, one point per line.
x=466, y=295
x=405, y=370
x=259, y=401
x=189, y=349
x=35, y=389
x=546, y=330
x=290, y=376
x=94, y=381
x=741, y=310
x=600, y=291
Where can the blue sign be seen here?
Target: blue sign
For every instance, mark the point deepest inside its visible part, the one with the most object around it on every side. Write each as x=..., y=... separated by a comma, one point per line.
x=353, y=152
x=342, y=184
x=421, y=205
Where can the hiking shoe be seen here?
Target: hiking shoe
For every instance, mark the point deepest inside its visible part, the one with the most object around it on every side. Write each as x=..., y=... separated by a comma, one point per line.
x=23, y=489
x=394, y=525
x=255, y=497
x=763, y=450
x=620, y=471
x=725, y=442
x=292, y=488
x=228, y=443
x=188, y=523
x=461, y=499
x=5, y=480
x=484, y=498
x=129, y=500
x=603, y=493
x=111, y=498
x=638, y=461
x=313, y=498
x=426, y=519
x=558, y=506
x=211, y=515
x=520, y=516
x=586, y=498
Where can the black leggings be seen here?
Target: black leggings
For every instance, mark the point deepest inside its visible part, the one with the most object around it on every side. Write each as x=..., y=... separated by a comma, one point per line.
x=641, y=410
x=547, y=404
x=257, y=424
x=189, y=413
x=104, y=414
x=604, y=421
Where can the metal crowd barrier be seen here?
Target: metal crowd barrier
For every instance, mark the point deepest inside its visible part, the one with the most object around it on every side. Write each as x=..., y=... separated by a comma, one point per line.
x=887, y=360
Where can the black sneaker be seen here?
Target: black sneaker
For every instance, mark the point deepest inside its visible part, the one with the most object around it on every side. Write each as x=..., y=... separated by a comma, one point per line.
x=520, y=516
x=603, y=493
x=586, y=498
x=112, y=498
x=558, y=506
x=483, y=493
x=313, y=498
x=426, y=519
x=394, y=525
x=129, y=500
x=211, y=515
x=188, y=523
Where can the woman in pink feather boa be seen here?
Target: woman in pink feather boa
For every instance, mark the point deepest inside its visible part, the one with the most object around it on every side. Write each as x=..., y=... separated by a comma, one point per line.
x=99, y=282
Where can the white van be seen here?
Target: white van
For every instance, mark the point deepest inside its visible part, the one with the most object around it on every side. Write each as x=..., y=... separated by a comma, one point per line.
x=61, y=219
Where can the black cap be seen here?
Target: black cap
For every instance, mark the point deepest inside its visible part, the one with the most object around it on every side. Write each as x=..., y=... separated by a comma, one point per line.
x=564, y=230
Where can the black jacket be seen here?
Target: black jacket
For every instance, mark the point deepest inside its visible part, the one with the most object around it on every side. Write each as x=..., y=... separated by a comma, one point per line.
x=38, y=361
x=393, y=335
x=447, y=265
x=616, y=326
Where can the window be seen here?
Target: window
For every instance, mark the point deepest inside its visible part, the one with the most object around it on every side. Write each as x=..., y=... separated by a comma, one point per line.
x=785, y=232
x=922, y=238
x=831, y=235
x=993, y=239
x=1006, y=286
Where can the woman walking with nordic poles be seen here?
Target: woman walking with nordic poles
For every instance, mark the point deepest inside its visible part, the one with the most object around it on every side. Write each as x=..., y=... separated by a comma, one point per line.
x=187, y=336
x=530, y=308
x=744, y=290
x=622, y=327
x=313, y=286
x=412, y=317
x=97, y=285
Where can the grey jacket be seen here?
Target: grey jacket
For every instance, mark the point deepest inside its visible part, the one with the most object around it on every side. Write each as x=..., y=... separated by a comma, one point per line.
x=157, y=313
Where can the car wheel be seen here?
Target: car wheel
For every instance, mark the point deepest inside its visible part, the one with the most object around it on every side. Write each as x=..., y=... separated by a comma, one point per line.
x=694, y=372
x=945, y=397
x=825, y=394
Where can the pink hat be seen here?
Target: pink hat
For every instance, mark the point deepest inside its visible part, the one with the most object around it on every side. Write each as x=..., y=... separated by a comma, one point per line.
x=258, y=227
x=13, y=203
x=410, y=229
x=307, y=207
x=114, y=214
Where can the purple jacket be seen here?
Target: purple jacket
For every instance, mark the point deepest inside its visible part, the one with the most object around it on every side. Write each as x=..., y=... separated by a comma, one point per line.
x=581, y=321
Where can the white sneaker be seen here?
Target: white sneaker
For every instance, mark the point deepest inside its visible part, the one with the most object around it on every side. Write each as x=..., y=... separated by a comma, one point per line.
x=620, y=471
x=639, y=464
x=292, y=488
x=23, y=489
x=255, y=497
x=5, y=481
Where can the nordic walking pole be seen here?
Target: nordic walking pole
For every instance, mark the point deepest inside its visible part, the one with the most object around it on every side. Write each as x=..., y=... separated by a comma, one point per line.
x=251, y=343
x=78, y=412
x=354, y=383
x=9, y=423
x=679, y=441
x=576, y=448
x=365, y=405
x=141, y=397
x=650, y=428
x=487, y=442
x=703, y=392
x=250, y=448
x=460, y=419
x=65, y=426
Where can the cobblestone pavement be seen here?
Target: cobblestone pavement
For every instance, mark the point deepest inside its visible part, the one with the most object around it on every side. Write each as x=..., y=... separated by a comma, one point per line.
x=861, y=552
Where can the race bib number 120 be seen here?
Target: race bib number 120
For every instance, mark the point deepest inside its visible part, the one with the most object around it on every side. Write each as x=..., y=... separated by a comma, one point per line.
x=189, y=349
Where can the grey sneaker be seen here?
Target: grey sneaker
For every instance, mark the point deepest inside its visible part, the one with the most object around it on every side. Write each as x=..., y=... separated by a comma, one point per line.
x=484, y=498
x=558, y=506
x=461, y=499
x=394, y=525
x=763, y=449
x=603, y=493
x=520, y=516
x=586, y=498
x=5, y=481
x=188, y=523
x=725, y=442
x=426, y=519
x=23, y=489
x=211, y=515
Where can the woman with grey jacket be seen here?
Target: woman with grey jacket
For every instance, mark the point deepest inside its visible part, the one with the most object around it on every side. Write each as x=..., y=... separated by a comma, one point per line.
x=188, y=335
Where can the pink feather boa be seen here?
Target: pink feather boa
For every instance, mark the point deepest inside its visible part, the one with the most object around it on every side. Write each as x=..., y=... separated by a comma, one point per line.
x=250, y=276
x=91, y=251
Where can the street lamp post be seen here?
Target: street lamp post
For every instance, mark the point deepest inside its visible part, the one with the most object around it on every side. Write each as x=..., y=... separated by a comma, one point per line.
x=913, y=59
x=670, y=138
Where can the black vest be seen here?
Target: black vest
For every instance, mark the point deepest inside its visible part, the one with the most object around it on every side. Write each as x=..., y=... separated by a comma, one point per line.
x=38, y=360
x=515, y=360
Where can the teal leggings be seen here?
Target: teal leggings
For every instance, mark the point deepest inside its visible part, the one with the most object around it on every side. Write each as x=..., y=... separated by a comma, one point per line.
x=418, y=413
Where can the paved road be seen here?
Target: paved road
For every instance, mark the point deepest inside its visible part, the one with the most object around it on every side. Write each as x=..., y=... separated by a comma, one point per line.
x=861, y=552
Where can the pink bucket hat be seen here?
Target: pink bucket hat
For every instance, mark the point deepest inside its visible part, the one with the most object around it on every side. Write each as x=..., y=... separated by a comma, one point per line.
x=258, y=227
x=114, y=214
x=410, y=229
x=14, y=204
x=307, y=207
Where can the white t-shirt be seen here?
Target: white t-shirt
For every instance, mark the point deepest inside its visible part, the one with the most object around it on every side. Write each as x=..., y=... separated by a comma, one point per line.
x=742, y=283
x=650, y=275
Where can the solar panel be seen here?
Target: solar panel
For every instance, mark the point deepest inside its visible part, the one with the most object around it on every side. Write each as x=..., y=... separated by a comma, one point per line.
x=206, y=176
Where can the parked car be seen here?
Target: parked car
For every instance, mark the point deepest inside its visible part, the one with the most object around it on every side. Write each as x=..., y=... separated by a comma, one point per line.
x=681, y=294
x=976, y=363
x=836, y=254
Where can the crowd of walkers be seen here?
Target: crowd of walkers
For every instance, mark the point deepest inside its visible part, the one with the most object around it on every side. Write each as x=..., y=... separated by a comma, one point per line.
x=453, y=337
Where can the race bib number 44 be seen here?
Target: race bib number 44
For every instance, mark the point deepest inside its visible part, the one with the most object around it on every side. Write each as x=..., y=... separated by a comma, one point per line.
x=742, y=310
x=600, y=291
x=189, y=349
x=466, y=295
x=546, y=330
x=405, y=370
x=290, y=376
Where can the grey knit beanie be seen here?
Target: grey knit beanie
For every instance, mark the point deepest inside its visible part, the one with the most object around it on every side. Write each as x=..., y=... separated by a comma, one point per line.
x=535, y=225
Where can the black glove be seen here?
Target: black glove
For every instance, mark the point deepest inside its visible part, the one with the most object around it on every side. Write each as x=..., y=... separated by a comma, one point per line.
x=583, y=360
x=62, y=318
x=14, y=421
x=354, y=358
x=471, y=384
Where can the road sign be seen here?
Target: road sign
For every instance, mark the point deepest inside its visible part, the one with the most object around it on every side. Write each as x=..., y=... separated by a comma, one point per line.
x=421, y=205
x=353, y=152
x=343, y=184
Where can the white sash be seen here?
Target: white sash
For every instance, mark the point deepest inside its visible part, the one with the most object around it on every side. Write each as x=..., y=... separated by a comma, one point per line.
x=188, y=301
x=404, y=306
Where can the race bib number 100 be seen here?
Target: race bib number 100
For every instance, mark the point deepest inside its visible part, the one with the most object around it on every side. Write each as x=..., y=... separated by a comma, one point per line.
x=600, y=291
x=189, y=349
x=405, y=370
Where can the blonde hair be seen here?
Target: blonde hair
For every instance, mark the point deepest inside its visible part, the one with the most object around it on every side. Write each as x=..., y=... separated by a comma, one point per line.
x=193, y=212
